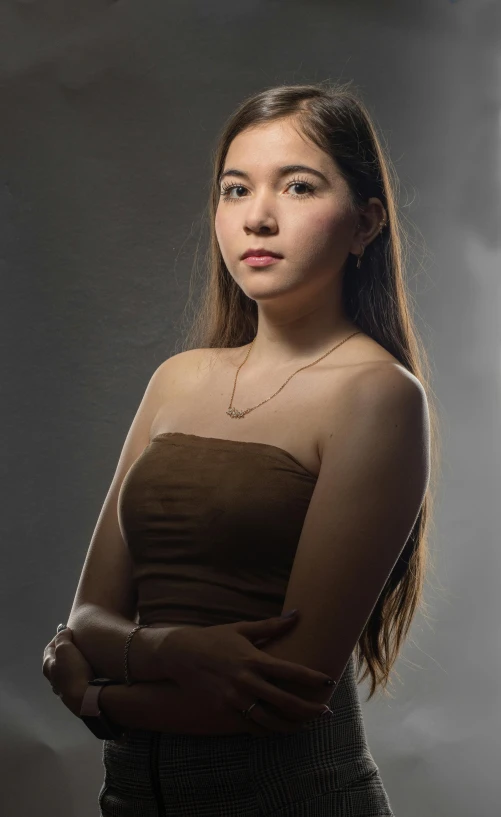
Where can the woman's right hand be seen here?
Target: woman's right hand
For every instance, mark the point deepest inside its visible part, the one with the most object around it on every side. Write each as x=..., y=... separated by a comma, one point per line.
x=222, y=661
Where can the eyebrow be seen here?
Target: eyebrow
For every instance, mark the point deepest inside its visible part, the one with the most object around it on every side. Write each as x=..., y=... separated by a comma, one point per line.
x=281, y=171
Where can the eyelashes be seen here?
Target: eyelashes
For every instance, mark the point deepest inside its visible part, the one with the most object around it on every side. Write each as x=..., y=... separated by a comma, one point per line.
x=227, y=188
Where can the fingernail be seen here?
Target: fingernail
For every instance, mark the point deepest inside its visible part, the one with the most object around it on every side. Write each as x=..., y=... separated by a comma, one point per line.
x=330, y=683
x=289, y=614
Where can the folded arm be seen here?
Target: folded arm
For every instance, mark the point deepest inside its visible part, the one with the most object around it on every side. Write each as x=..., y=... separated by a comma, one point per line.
x=372, y=482
x=100, y=635
x=103, y=611
x=163, y=706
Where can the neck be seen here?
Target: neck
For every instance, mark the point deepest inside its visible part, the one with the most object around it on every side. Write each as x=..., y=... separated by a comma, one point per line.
x=298, y=340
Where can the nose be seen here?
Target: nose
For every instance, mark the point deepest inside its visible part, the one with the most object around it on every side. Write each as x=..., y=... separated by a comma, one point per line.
x=260, y=224
x=261, y=228
x=259, y=217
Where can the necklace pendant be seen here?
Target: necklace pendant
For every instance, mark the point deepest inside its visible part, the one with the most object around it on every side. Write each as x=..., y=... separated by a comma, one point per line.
x=233, y=412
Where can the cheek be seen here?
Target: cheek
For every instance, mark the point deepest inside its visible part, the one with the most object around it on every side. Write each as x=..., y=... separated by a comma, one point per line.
x=222, y=214
x=321, y=232
x=224, y=234
x=217, y=223
x=224, y=227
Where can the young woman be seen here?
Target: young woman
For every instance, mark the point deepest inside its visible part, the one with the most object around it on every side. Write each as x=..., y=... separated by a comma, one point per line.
x=281, y=460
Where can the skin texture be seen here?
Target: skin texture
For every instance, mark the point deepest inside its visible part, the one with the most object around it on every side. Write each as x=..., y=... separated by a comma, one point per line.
x=299, y=298
x=161, y=706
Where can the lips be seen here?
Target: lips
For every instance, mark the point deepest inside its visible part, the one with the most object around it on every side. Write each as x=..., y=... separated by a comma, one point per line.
x=258, y=253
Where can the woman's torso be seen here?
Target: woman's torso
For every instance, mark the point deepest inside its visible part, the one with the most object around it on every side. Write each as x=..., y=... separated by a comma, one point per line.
x=198, y=385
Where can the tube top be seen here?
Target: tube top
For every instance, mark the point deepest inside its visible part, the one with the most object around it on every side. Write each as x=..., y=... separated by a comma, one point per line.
x=212, y=526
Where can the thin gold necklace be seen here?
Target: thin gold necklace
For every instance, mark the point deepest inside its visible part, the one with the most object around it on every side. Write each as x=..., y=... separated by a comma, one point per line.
x=235, y=413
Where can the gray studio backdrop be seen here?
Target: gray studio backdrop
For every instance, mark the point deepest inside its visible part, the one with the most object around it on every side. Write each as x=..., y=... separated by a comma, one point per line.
x=108, y=115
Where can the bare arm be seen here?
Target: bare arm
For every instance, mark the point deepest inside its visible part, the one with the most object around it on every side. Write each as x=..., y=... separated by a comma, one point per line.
x=103, y=610
x=100, y=634
x=163, y=706
x=372, y=482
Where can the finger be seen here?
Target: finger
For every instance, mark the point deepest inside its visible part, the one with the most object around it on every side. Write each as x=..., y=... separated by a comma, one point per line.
x=289, y=671
x=51, y=643
x=48, y=650
x=292, y=706
x=48, y=660
x=63, y=654
x=64, y=646
x=60, y=667
x=264, y=716
x=63, y=637
x=261, y=642
x=48, y=667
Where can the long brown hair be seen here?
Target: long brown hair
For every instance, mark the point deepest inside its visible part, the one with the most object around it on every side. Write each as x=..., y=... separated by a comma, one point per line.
x=376, y=298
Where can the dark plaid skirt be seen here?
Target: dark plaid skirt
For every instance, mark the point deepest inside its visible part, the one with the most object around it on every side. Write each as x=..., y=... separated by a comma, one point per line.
x=326, y=769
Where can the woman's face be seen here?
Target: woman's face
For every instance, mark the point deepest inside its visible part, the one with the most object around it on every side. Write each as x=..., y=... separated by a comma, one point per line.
x=305, y=217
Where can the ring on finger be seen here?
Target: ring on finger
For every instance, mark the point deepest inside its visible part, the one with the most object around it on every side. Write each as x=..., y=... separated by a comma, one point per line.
x=246, y=712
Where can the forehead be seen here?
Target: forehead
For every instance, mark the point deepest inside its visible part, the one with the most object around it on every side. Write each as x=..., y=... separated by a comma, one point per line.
x=260, y=148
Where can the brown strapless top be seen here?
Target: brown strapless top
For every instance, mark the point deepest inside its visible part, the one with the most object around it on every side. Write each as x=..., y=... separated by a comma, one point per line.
x=212, y=526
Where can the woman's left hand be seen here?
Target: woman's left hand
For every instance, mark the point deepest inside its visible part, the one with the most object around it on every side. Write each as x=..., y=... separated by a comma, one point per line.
x=66, y=669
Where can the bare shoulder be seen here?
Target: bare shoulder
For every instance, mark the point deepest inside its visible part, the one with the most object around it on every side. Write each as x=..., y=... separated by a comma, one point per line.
x=371, y=366
x=372, y=384
x=391, y=391
x=386, y=398
x=383, y=382
x=183, y=364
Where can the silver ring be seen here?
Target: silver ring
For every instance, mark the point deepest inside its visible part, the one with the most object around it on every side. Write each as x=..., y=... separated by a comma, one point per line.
x=61, y=627
x=245, y=712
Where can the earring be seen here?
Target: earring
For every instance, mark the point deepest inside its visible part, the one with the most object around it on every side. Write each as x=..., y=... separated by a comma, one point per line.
x=360, y=257
x=381, y=225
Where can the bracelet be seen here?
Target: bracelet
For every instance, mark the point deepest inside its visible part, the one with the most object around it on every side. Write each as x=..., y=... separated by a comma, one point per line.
x=126, y=655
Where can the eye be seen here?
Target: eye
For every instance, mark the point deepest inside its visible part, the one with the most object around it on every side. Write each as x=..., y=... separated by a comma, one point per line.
x=227, y=188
